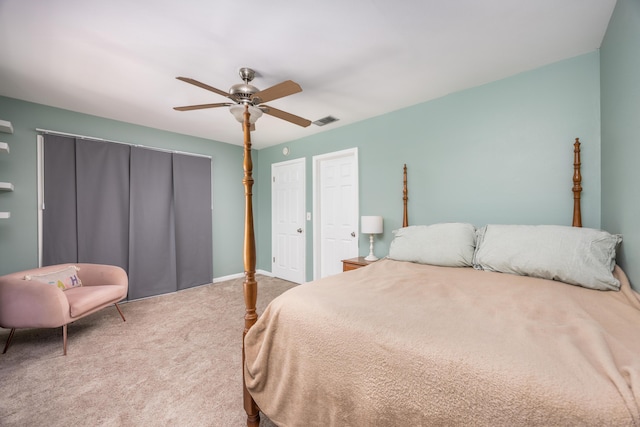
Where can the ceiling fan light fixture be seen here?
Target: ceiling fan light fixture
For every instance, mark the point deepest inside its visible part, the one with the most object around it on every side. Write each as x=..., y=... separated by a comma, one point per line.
x=238, y=112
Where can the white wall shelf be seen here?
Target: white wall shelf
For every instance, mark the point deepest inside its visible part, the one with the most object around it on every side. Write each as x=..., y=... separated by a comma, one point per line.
x=6, y=186
x=6, y=126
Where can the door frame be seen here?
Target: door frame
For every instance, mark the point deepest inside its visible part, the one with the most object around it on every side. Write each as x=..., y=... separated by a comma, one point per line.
x=317, y=179
x=303, y=162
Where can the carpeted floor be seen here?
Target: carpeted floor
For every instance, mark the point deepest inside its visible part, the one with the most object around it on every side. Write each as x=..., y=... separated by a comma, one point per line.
x=176, y=361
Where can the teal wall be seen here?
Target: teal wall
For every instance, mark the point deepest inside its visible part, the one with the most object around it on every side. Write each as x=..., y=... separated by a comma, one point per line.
x=18, y=234
x=497, y=153
x=620, y=82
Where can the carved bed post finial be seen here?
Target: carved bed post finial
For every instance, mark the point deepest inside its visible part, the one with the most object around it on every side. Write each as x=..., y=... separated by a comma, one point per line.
x=405, y=197
x=250, y=284
x=577, y=188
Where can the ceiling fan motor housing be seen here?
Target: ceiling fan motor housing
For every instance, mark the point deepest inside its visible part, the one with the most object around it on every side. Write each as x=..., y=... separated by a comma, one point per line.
x=244, y=92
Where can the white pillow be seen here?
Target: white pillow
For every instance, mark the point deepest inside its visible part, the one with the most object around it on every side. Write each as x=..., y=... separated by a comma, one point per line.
x=575, y=255
x=447, y=244
x=64, y=279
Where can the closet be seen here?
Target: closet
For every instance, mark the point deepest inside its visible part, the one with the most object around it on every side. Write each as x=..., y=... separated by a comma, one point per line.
x=143, y=209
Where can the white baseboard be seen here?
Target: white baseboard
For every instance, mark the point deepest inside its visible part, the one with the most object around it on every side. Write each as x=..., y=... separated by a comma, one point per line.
x=238, y=275
x=265, y=273
x=229, y=277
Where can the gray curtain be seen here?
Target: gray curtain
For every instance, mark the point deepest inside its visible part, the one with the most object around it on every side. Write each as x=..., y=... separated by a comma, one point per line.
x=59, y=230
x=151, y=247
x=145, y=210
x=192, y=192
x=102, y=194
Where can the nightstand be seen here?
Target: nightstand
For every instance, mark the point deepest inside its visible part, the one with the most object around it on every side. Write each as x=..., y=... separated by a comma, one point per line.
x=354, y=263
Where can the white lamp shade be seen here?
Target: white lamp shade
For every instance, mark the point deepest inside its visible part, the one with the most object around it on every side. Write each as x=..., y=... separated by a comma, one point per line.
x=238, y=112
x=371, y=224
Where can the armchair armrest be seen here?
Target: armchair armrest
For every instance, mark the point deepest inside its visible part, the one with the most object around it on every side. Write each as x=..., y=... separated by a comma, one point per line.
x=31, y=304
x=101, y=274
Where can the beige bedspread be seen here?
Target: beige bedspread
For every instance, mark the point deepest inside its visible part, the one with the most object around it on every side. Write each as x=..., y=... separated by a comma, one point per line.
x=401, y=344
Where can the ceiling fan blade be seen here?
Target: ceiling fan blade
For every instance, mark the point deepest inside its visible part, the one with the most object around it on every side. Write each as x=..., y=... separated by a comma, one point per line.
x=280, y=90
x=202, y=106
x=285, y=116
x=204, y=86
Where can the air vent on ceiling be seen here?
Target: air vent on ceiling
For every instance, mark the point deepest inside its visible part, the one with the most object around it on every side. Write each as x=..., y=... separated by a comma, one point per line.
x=325, y=121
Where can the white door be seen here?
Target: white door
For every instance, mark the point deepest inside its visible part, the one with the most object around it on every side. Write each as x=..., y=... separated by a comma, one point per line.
x=287, y=216
x=336, y=210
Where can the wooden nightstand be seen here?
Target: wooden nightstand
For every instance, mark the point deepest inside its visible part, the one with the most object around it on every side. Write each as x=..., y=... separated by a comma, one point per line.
x=354, y=263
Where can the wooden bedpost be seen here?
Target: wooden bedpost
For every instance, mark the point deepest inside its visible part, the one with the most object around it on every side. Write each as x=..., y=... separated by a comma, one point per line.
x=577, y=188
x=405, y=198
x=250, y=284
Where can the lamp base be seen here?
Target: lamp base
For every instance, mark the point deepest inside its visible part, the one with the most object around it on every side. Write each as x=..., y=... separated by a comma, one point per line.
x=371, y=256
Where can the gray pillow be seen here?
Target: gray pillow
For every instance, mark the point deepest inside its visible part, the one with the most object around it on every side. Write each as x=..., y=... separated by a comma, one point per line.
x=575, y=255
x=448, y=244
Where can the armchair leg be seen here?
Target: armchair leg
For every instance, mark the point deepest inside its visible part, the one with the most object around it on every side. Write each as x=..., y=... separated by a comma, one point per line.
x=64, y=339
x=64, y=334
x=6, y=346
x=121, y=315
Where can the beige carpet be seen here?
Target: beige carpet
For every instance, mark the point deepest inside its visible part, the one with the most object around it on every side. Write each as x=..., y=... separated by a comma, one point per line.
x=176, y=361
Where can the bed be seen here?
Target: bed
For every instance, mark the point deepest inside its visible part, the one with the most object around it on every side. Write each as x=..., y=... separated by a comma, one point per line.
x=479, y=331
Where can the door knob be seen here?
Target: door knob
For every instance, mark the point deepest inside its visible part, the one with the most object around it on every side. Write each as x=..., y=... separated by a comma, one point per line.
x=353, y=234
x=299, y=230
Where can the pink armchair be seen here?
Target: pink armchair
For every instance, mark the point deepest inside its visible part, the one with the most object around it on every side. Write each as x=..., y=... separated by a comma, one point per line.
x=33, y=304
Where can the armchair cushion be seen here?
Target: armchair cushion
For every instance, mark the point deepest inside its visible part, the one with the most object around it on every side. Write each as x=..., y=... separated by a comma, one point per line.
x=84, y=299
x=64, y=279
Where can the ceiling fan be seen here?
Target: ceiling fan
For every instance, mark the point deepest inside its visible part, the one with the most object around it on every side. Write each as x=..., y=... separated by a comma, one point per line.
x=242, y=94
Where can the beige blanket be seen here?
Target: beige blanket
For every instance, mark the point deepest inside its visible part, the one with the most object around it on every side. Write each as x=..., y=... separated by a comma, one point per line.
x=402, y=344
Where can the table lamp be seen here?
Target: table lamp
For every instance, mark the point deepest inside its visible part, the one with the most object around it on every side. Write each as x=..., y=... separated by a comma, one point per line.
x=371, y=225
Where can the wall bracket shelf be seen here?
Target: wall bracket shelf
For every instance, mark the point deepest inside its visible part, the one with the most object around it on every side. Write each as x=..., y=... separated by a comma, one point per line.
x=6, y=126
x=6, y=186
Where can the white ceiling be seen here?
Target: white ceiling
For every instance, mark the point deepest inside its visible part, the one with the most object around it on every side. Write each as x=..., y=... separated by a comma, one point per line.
x=354, y=59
